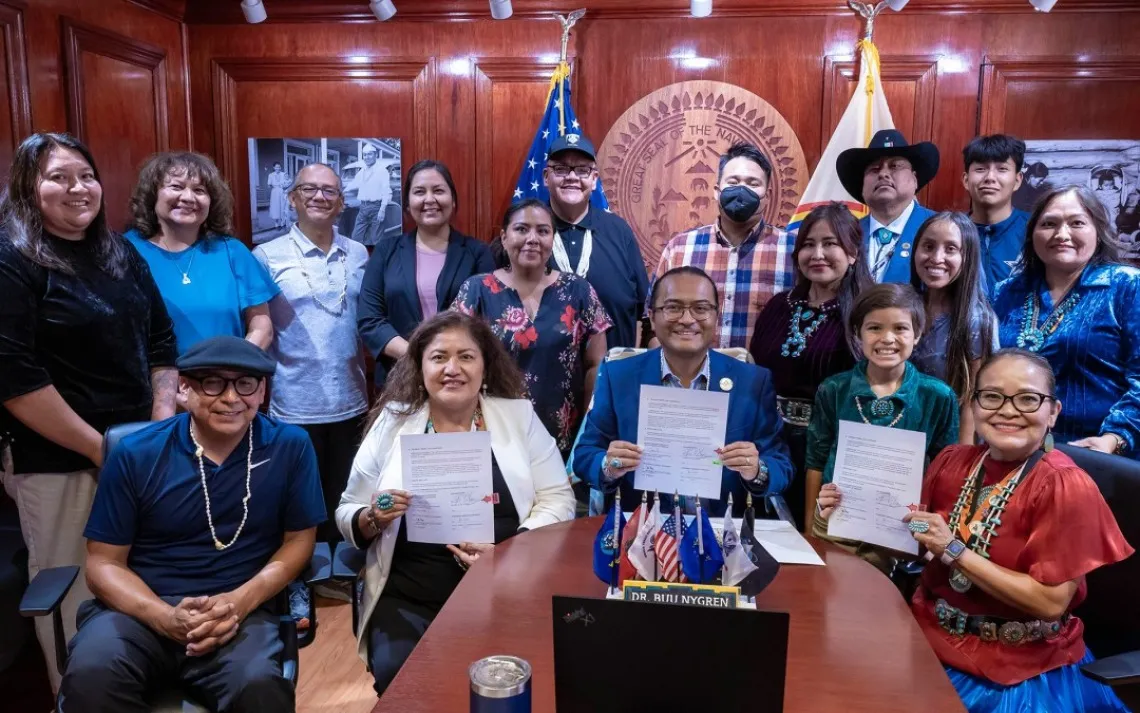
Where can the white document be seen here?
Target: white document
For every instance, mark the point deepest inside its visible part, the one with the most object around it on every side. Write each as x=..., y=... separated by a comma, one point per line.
x=879, y=473
x=449, y=477
x=679, y=431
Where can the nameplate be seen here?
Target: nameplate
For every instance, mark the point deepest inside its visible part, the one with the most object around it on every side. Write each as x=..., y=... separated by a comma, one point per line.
x=693, y=595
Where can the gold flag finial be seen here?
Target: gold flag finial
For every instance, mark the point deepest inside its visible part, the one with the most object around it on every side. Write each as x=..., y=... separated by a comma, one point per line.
x=568, y=22
x=868, y=11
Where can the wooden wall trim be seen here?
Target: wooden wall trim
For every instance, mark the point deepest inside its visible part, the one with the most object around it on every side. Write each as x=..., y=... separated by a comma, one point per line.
x=214, y=12
x=488, y=72
x=19, y=92
x=79, y=38
x=998, y=70
x=227, y=73
x=173, y=9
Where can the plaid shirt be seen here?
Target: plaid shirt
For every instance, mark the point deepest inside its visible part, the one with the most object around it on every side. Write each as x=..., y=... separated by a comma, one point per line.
x=747, y=276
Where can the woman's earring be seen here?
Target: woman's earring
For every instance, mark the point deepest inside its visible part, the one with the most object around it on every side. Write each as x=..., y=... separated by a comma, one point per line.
x=483, y=388
x=1048, y=446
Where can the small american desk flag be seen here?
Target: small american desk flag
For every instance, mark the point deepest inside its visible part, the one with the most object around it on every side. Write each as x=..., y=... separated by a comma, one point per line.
x=557, y=121
x=668, y=561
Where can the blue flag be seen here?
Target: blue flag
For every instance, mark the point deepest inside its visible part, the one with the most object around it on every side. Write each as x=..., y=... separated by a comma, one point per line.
x=607, y=544
x=701, y=558
x=558, y=120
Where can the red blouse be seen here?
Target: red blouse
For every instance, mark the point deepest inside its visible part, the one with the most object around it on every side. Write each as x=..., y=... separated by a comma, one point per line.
x=1057, y=528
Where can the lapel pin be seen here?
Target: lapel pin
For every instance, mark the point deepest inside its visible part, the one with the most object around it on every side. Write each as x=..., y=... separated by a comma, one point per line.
x=726, y=384
x=904, y=253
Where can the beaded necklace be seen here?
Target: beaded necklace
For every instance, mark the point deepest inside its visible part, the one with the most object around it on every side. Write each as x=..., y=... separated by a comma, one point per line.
x=338, y=306
x=1033, y=337
x=881, y=408
x=798, y=335
x=199, y=452
x=477, y=422
x=979, y=524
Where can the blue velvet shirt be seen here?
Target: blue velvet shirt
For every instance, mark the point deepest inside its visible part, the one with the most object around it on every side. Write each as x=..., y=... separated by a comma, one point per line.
x=1095, y=351
x=1001, y=247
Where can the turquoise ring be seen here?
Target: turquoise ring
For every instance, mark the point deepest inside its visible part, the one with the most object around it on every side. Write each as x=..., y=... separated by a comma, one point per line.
x=615, y=463
x=918, y=526
x=385, y=501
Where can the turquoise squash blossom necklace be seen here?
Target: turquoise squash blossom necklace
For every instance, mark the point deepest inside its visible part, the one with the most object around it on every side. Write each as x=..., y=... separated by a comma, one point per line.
x=1033, y=337
x=798, y=332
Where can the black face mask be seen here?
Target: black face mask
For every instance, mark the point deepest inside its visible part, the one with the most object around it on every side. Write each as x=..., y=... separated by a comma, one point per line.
x=739, y=203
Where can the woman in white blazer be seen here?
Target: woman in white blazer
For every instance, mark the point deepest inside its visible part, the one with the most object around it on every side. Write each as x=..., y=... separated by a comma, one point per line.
x=455, y=377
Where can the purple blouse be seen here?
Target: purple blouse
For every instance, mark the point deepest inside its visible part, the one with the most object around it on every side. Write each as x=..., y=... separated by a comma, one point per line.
x=826, y=352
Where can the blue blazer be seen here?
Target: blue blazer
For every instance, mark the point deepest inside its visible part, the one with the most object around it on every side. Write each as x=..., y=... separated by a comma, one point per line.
x=898, y=270
x=752, y=416
x=389, y=303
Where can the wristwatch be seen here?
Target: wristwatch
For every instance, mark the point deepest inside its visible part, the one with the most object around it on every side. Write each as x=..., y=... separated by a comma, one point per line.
x=952, y=552
x=761, y=473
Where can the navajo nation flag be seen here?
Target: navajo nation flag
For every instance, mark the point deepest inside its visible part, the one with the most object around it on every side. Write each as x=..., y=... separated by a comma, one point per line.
x=867, y=113
x=558, y=120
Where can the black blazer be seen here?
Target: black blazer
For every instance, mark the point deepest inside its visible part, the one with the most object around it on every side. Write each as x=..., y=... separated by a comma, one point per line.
x=389, y=303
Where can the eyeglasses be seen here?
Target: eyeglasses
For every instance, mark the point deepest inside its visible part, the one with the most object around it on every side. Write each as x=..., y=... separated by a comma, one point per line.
x=309, y=190
x=673, y=311
x=217, y=385
x=563, y=171
x=1023, y=401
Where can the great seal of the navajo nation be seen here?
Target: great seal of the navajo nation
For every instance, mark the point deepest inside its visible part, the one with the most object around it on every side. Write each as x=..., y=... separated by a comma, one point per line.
x=658, y=163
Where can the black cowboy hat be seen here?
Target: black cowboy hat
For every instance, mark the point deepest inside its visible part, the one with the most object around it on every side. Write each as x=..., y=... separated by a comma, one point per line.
x=888, y=142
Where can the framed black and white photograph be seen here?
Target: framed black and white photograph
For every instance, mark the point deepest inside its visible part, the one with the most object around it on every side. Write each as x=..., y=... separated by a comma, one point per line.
x=1109, y=167
x=369, y=170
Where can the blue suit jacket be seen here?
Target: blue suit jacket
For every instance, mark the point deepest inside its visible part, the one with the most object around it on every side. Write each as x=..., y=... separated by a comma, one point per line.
x=898, y=270
x=752, y=416
x=389, y=302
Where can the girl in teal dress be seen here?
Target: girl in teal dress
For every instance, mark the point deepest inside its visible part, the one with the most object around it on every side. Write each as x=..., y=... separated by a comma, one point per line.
x=884, y=389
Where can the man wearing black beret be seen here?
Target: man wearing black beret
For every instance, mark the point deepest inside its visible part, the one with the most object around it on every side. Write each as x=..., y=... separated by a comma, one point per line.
x=198, y=521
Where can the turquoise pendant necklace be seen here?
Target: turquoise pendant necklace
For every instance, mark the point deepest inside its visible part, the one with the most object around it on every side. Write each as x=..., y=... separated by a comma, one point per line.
x=1033, y=337
x=798, y=334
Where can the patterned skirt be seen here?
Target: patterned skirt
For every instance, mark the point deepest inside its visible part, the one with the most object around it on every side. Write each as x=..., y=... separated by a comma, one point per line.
x=1062, y=690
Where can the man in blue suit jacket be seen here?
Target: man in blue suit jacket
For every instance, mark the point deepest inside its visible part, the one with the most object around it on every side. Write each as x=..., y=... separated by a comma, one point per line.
x=683, y=308
x=885, y=176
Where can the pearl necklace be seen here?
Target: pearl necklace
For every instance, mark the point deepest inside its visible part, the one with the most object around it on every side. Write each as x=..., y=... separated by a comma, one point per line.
x=880, y=407
x=198, y=452
x=338, y=306
x=798, y=335
x=1033, y=338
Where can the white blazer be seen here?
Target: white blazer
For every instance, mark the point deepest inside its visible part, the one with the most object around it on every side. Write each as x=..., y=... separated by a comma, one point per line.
x=527, y=456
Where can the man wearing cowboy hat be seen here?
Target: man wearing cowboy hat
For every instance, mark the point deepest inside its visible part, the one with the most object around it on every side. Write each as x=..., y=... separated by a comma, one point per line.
x=198, y=521
x=885, y=176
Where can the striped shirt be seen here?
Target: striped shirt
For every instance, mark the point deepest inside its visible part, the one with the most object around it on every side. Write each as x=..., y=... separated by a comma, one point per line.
x=747, y=275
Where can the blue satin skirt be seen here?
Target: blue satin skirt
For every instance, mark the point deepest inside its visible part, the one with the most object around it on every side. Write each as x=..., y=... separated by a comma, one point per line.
x=1062, y=690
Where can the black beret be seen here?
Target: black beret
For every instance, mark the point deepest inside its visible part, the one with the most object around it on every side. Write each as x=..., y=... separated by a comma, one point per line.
x=227, y=352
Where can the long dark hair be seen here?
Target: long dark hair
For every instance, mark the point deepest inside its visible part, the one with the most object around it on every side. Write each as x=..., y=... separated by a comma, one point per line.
x=144, y=218
x=969, y=307
x=850, y=235
x=404, y=392
x=23, y=222
x=1108, y=249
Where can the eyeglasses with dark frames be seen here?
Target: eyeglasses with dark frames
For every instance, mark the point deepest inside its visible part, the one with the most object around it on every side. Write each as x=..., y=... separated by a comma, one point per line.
x=582, y=172
x=701, y=311
x=1023, y=401
x=217, y=385
x=308, y=190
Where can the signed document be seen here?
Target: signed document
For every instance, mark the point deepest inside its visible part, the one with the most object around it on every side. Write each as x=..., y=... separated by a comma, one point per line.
x=680, y=430
x=449, y=477
x=879, y=472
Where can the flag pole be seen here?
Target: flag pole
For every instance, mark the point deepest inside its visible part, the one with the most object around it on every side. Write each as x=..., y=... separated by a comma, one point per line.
x=563, y=72
x=616, y=562
x=678, y=522
x=700, y=543
x=656, y=506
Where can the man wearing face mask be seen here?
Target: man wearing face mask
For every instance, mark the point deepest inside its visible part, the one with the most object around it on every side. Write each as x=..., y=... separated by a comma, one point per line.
x=593, y=243
x=885, y=176
x=748, y=260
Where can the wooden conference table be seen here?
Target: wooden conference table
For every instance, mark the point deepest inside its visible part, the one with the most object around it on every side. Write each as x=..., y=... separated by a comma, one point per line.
x=853, y=644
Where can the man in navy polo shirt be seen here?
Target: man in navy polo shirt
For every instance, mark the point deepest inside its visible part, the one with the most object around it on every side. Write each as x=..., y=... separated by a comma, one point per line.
x=198, y=521
x=993, y=174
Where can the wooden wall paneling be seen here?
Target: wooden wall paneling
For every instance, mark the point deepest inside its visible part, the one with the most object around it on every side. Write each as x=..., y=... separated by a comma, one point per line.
x=116, y=103
x=1061, y=97
x=910, y=83
x=172, y=9
x=16, y=122
x=510, y=97
x=314, y=97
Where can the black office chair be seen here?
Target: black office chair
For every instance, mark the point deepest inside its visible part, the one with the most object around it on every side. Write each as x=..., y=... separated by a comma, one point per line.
x=1112, y=620
x=47, y=591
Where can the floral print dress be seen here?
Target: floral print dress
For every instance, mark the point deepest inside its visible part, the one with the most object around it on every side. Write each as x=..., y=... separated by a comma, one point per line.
x=550, y=348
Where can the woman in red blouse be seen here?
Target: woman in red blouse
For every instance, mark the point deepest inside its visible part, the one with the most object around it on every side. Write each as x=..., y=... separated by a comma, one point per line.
x=1013, y=527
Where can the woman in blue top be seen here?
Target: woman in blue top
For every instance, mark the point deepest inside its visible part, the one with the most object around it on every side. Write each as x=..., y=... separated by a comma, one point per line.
x=1075, y=303
x=182, y=223
x=961, y=329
